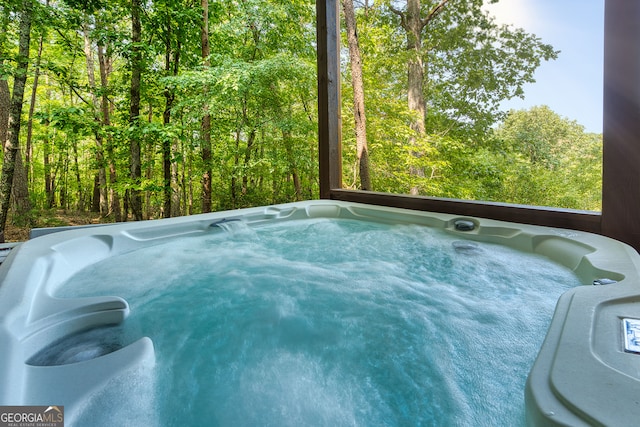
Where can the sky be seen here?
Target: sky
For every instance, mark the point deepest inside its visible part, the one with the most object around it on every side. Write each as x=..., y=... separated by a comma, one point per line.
x=572, y=84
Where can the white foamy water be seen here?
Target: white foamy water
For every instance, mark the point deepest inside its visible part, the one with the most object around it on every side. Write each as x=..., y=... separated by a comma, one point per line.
x=331, y=323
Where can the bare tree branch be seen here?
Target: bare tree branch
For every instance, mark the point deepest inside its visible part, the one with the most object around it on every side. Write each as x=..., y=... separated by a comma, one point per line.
x=403, y=20
x=433, y=13
x=424, y=22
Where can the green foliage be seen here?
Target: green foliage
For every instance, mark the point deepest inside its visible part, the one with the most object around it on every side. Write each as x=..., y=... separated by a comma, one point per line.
x=560, y=163
x=471, y=63
x=260, y=92
x=87, y=6
x=73, y=120
x=472, y=149
x=541, y=135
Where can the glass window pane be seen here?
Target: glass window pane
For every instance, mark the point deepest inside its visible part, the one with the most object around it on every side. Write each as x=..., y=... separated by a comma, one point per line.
x=498, y=102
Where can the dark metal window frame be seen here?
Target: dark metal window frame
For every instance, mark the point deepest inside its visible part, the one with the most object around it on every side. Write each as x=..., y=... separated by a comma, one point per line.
x=620, y=216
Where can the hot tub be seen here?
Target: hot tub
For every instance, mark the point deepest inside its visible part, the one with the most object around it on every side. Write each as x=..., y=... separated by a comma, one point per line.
x=587, y=370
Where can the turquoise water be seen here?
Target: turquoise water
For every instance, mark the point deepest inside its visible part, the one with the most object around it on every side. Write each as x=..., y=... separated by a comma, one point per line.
x=330, y=323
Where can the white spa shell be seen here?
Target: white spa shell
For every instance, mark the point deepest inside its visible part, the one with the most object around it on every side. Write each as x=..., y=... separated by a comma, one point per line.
x=582, y=376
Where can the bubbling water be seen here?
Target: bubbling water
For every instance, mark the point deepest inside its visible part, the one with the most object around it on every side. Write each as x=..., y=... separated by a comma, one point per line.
x=79, y=347
x=333, y=322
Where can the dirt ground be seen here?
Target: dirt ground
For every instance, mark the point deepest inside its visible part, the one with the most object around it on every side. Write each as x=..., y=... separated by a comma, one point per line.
x=19, y=232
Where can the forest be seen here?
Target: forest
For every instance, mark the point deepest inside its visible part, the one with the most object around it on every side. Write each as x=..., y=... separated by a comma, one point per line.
x=148, y=109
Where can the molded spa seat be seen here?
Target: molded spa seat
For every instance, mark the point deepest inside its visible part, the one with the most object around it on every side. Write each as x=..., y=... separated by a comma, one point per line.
x=72, y=383
x=38, y=378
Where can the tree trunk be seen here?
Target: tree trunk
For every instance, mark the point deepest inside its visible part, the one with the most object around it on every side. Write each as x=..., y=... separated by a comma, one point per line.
x=105, y=70
x=236, y=167
x=206, y=119
x=168, y=170
x=187, y=170
x=13, y=134
x=166, y=120
x=148, y=155
x=5, y=93
x=95, y=195
x=32, y=106
x=62, y=169
x=175, y=188
x=20, y=190
x=415, y=67
x=291, y=159
x=413, y=24
x=166, y=157
x=171, y=187
x=362, y=152
x=247, y=160
x=102, y=173
x=20, y=193
x=134, y=111
x=76, y=169
x=415, y=79
x=48, y=179
x=5, y=106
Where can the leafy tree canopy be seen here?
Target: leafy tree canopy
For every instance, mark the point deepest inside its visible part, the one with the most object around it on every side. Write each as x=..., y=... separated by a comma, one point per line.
x=471, y=62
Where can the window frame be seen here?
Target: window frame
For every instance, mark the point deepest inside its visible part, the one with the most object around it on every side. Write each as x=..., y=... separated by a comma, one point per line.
x=620, y=216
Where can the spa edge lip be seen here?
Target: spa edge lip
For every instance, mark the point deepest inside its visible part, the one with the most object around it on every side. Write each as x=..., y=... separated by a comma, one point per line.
x=582, y=359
